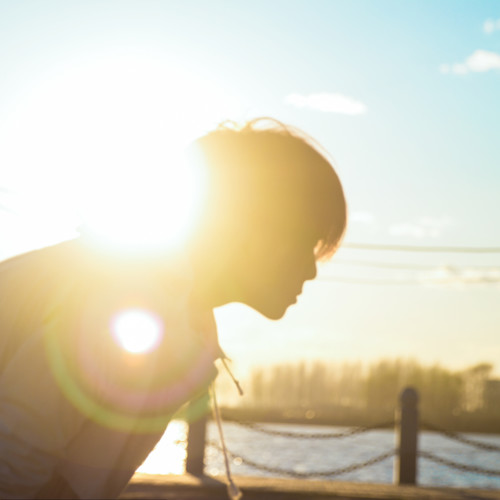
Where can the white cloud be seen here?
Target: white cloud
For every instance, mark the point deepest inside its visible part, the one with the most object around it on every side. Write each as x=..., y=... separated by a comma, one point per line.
x=490, y=25
x=435, y=225
x=450, y=275
x=478, y=62
x=459, y=69
x=483, y=60
x=407, y=229
x=363, y=222
x=327, y=102
x=363, y=217
x=423, y=227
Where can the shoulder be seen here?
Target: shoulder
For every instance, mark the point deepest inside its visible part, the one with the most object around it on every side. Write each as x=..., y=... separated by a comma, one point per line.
x=40, y=260
x=29, y=285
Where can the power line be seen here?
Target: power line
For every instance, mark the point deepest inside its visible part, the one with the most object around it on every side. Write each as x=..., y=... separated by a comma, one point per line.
x=427, y=281
x=412, y=248
x=362, y=281
x=385, y=265
x=414, y=267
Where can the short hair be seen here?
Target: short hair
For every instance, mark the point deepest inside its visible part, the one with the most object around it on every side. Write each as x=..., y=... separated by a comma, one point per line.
x=266, y=170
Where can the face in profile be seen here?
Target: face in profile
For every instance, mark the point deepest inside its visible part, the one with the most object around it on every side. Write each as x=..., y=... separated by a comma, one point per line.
x=272, y=196
x=274, y=275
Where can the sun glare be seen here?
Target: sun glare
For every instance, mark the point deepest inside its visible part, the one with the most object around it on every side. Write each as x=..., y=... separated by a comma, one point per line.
x=137, y=331
x=151, y=212
x=169, y=454
x=106, y=141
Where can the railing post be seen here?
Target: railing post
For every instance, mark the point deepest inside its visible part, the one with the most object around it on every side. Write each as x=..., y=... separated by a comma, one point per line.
x=197, y=428
x=407, y=437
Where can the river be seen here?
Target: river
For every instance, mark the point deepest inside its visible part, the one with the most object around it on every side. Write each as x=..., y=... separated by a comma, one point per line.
x=313, y=455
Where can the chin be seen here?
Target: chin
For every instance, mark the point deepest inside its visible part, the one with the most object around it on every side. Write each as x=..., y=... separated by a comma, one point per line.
x=271, y=309
x=274, y=313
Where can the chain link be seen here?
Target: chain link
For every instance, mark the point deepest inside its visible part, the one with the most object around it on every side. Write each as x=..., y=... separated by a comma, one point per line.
x=456, y=465
x=321, y=435
x=460, y=438
x=289, y=472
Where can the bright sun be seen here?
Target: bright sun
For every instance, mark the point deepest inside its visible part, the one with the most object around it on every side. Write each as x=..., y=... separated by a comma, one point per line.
x=136, y=330
x=134, y=212
x=106, y=139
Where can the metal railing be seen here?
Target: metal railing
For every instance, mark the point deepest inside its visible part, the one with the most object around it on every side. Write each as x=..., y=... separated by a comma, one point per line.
x=406, y=454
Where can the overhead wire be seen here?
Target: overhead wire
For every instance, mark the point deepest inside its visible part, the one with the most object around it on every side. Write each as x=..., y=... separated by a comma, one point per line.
x=415, y=267
x=426, y=281
x=363, y=281
x=417, y=248
x=451, y=274
x=385, y=265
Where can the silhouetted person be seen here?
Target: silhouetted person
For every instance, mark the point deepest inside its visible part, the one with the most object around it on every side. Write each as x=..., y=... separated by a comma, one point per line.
x=79, y=413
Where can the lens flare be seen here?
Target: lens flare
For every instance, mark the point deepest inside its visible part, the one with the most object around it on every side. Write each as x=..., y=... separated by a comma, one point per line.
x=136, y=330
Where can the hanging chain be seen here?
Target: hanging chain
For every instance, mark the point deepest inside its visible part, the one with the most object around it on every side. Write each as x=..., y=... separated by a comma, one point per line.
x=461, y=439
x=290, y=472
x=456, y=465
x=321, y=435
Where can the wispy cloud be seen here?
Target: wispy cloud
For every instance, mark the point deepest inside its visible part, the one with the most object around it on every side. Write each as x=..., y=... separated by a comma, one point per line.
x=450, y=275
x=363, y=217
x=478, y=62
x=491, y=25
x=363, y=221
x=423, y=227
x=327, y=103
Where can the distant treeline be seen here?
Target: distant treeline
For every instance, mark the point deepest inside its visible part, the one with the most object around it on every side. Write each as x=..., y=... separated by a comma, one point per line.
x=357, y=394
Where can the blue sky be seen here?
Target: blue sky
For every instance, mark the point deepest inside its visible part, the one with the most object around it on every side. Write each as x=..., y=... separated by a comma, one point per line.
x=405, y=95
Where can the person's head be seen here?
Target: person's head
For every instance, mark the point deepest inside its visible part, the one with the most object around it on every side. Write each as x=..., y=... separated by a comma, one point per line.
x=274, y=206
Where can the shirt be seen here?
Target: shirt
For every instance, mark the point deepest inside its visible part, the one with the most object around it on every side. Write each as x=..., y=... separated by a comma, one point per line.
x=73, y=400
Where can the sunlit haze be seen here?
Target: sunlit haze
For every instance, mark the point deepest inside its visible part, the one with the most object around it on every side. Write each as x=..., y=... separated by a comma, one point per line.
x=99, y=99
